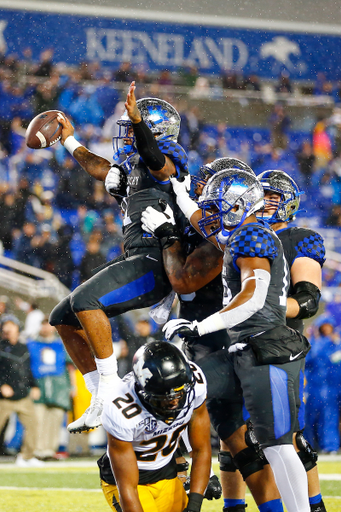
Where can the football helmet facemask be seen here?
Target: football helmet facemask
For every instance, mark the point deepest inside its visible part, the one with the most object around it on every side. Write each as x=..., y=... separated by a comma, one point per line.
x=159, y=115
x=208, y=170
x=281, y=183
x=225, y=191
x=164, y=380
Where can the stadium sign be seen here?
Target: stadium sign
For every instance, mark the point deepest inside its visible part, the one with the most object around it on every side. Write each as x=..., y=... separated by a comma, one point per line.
x=159, y=45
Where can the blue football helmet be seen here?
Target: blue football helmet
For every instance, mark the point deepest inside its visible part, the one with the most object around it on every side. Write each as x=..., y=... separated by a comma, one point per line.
x=159, y=115
x=225, y=190
x=219, y=164
x=281, y=183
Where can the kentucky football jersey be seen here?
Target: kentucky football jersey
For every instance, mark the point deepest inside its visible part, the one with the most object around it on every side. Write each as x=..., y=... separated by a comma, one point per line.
x=250, y=241
x=153, y=440
x=299, y=243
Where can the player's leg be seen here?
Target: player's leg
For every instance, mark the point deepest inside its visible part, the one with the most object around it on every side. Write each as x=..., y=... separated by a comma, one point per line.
x=269, y=396
x=131, y=283
x=305, y=451
x=168, y=495
x=232, y=482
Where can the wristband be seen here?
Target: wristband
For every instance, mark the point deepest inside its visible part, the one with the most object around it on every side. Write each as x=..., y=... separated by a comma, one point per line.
x=71, y=144
x=194, y=502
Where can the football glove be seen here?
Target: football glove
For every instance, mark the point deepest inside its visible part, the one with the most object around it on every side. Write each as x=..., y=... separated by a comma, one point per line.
x=116, y=181
x=160, y=224
x=182, y=328
x=214, y=489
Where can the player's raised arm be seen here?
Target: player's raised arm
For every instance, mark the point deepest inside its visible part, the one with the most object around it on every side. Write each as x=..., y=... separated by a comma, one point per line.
x=95, y=165
x=160, y=165
x=123, y=462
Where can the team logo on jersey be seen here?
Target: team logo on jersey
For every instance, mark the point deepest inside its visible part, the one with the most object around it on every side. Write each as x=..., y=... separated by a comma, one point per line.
x=150, y=425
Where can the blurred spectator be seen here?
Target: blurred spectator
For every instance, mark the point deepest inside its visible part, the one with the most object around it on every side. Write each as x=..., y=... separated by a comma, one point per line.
x=4, y=305
x=142, y=334
x=279, y=125
x=201, y=88
x=34, y=317
x=91, y=260
x=46, y=96
x=284, y=84
x=306, y=160
x=188, y=74
x=24, y=249
x=165, y=78
x=229, y=80
x=112, y=240
x=18, y=388
x=321, y=144
x=252, y=83
x=45, y=64
x=64, y=265
x=323, y=374
x=334, y=219
x=124, y=73
x=86, y=108
x=53, y=370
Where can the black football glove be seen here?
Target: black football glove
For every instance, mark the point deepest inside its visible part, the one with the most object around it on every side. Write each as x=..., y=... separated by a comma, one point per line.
x=160, y=224
x=214, y=489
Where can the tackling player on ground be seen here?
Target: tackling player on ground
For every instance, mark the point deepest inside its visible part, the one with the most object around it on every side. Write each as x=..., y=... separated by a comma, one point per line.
x=149, y=410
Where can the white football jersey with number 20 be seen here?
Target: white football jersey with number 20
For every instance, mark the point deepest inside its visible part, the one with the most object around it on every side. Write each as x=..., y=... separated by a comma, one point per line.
x=154, y=442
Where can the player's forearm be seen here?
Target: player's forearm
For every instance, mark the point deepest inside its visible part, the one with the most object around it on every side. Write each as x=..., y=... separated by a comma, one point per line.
x=293, y=308
x=95, y=165
x=129, y=499
x=201, y=467
x=191, y=274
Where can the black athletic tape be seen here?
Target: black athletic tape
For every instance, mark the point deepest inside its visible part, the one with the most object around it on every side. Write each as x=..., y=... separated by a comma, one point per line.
x=147, y=147
x=194, y=502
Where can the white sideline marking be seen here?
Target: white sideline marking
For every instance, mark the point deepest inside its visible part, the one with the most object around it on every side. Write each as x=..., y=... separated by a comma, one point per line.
x=67, y=489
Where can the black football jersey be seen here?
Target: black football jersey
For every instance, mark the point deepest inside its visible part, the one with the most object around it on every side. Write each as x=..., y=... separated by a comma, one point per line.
x=144, y=190
x=298, y=243
x=256, y=240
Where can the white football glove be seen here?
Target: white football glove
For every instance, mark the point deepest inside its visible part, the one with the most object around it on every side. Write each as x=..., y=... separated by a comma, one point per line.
x=181, y=190
x=116, y=181
x=153, y=221
x=181, y=327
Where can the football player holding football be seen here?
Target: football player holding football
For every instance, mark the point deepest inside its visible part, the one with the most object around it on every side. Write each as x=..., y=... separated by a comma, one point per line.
x=137, y=278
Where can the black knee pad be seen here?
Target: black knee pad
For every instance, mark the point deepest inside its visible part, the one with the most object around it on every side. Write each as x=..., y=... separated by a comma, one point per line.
x=226, y=462
x=248, y=462
x=251, y=441
x=306, y=453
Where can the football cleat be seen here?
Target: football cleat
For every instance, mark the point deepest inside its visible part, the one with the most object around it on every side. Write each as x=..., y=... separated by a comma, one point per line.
x=91, y=418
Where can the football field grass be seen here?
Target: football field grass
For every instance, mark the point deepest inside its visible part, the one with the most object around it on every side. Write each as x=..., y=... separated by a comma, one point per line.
x=73, y=486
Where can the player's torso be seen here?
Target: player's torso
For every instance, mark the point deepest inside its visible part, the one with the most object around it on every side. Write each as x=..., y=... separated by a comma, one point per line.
x=297, y=243
x=154, y=441
x=241, y=244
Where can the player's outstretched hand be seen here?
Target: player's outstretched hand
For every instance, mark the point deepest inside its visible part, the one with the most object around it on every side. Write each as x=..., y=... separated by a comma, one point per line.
x=116, y=181
x=68, y=129
x=180, y=327
x=158, y=223
x=181, y=187
x=131, y=106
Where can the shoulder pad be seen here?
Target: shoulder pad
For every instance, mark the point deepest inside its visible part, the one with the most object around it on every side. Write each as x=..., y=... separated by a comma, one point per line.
x=253, y=242
x=177, y=154
x=311, y=246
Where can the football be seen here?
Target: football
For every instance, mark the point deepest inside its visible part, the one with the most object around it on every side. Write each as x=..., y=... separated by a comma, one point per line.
x=44, y=130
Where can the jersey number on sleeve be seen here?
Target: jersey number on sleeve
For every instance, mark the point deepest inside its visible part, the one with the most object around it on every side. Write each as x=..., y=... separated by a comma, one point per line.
x=131, y=410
